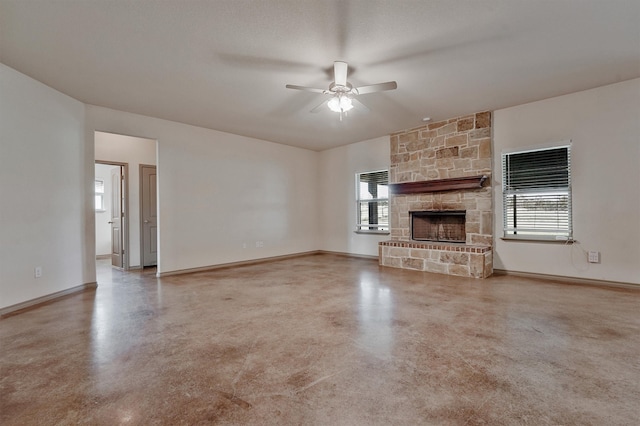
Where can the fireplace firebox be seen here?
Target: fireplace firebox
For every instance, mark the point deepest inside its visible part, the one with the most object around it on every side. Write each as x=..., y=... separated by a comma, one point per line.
x=438, y=225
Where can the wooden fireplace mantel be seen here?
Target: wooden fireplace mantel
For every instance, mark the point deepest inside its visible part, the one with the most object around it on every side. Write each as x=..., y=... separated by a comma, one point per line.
x=452, y=184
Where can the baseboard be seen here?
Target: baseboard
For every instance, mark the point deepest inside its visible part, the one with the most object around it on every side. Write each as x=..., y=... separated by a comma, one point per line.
x=258, y=261
x=234, y=264
x=341, y=253
x=103, y=256
x=29, y=304
x=568, y=280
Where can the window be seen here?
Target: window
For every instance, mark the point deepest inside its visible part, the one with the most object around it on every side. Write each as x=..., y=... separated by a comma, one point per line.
x=372, y=190
x=99, y=195
x=536, y=190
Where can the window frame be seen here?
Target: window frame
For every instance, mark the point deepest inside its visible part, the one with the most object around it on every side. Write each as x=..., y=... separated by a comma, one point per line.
x=100, y=194
x=545, y=194
x=383, y=229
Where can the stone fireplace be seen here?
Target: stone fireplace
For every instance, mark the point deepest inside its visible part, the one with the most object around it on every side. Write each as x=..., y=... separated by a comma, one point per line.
x=440, y=201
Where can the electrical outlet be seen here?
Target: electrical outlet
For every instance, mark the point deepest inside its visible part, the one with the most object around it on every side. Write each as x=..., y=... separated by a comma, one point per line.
x=259, y=243
x=594, y=257
x=37, y=271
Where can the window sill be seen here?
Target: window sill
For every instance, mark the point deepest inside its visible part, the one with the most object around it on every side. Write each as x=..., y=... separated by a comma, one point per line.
x=372, y=232
x=530, y=239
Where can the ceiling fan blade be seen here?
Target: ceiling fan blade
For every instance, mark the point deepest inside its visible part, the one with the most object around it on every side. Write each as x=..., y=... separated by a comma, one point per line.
x=340, y=73
x=358, y=104
x=319, y=107
x=306, y=89
x=380, y=87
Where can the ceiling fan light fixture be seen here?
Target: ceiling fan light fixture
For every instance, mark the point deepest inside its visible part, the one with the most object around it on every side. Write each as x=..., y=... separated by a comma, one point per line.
x=342, y=92
x=340, y=104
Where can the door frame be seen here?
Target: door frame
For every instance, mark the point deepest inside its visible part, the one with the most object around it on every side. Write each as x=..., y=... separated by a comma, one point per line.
x=140, y=167
x=125, y=208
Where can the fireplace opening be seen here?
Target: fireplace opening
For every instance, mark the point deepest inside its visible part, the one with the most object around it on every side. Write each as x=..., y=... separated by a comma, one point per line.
x=438, y=225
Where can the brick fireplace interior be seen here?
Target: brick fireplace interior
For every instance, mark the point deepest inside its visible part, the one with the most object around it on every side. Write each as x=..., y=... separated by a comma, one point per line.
x=430, y=225
x=439, y=177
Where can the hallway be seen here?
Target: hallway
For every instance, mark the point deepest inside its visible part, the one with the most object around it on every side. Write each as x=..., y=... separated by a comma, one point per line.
x=323, y=339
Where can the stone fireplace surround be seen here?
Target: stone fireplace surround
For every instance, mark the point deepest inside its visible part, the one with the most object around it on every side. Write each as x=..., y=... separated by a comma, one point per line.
x=444, y=153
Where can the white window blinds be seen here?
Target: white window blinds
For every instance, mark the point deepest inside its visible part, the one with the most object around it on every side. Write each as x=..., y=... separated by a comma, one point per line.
x=537, y=193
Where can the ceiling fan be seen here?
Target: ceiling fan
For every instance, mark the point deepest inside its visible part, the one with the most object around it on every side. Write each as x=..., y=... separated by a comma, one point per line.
x=342, y=92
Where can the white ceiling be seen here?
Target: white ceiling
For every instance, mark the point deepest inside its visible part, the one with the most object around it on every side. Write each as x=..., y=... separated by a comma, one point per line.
x=223, y=64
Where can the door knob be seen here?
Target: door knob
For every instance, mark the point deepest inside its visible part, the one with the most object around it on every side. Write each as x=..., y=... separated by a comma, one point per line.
x=110, y=222
x=146, y=221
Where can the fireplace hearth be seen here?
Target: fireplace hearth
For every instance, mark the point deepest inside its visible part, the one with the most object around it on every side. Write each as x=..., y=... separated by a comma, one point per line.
x=438, y=225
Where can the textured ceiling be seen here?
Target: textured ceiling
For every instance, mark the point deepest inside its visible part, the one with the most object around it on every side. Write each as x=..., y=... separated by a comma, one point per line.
x=223, y=64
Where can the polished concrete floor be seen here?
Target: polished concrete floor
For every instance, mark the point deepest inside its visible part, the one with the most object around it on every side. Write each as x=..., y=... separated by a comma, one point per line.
x=324, y=340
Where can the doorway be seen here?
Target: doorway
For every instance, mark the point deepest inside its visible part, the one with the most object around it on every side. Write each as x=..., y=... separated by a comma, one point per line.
x=112, y=212
x=134, y=152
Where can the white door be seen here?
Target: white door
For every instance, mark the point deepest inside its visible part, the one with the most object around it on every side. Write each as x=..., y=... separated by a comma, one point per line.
x=117, y=250
x=149, y=206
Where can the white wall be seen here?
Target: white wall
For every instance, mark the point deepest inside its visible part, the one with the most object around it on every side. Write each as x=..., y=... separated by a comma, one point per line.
x=44, y=191
x=338, y=168
x=604, y=126
x=133, y=151
x=103, y=228
x=219, y=194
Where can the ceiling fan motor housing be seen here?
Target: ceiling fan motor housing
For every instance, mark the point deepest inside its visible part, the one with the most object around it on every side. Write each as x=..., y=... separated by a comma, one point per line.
x=340, y=89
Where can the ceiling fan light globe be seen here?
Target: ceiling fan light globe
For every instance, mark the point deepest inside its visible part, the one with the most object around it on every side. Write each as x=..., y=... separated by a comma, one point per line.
x=345, y=104
x=334, y=104
x=339, y=104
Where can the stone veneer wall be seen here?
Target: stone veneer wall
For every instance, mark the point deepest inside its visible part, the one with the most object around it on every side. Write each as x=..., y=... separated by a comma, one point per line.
x=447, y=149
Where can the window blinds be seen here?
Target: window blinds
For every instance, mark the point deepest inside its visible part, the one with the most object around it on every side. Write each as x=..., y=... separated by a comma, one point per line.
x=537, y=193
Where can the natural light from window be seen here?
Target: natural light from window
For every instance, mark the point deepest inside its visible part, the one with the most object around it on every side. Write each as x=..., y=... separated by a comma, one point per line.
x=373, y=201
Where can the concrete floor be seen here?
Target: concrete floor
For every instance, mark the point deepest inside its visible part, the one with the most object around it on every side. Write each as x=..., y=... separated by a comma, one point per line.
x=324, y=340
